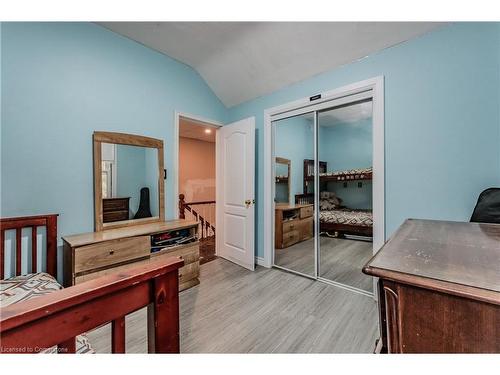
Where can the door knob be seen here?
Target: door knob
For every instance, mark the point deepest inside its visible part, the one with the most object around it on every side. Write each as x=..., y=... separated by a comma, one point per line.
x=248, y=202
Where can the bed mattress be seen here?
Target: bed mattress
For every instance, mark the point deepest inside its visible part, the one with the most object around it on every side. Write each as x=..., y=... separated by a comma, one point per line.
x=347, y=217
x=33, y=285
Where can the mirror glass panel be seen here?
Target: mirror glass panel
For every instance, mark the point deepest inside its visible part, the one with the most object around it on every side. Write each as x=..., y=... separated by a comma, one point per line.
x=129, y=182
x=294, y=217
x=283, y=180
x=345, y=181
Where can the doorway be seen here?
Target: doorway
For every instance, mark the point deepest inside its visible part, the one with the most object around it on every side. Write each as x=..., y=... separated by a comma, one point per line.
x=328, y=204
x=196, y=179
x=226, y=223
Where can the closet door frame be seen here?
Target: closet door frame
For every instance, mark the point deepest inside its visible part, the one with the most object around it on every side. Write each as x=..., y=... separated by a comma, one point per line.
x=370, y=88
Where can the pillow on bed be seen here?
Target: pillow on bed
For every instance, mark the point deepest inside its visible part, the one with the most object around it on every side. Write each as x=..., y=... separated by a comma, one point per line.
x=328, y=201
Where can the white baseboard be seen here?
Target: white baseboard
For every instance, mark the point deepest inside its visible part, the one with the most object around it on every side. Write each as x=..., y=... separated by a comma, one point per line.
x=260, y=261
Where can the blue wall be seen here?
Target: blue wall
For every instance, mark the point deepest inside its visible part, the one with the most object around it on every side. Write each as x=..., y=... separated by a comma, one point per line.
x=442, y=121
x=137, y=167
x=62, y=81
x=294, y=140
x=348, y=146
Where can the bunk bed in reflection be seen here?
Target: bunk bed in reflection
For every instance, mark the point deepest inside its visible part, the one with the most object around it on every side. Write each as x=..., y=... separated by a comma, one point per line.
x=334, y=218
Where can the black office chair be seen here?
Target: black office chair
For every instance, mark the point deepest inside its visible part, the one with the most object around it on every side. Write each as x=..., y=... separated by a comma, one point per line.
x=487, y=208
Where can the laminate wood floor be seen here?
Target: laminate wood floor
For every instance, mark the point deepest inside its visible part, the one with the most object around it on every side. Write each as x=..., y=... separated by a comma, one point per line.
x=234, y=310
x=341, y=260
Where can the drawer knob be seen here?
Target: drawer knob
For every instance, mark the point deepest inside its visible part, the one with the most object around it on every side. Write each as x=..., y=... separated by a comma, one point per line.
x=111, y=252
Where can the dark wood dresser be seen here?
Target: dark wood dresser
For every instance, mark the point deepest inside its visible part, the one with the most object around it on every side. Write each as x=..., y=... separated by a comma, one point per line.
x=439, y=288
x=115, y=209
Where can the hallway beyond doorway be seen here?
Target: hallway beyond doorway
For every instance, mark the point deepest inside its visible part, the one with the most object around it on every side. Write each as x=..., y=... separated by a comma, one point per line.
x=196, y=180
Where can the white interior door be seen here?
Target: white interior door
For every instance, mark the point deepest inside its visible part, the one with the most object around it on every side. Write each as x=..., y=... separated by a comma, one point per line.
x=235, y=208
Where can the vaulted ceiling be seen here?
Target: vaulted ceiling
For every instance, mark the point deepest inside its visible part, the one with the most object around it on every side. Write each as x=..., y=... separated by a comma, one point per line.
x=241, y=61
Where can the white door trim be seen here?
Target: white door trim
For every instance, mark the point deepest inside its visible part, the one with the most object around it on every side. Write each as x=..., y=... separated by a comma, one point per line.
x=175, y=150
x=375, y=84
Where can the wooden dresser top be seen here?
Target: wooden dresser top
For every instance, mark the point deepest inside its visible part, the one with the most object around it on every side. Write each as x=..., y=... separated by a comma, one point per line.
x=467, y=254
x=131, y=231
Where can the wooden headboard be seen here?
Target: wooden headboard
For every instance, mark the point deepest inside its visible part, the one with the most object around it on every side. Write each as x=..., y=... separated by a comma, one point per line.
x=33, y=222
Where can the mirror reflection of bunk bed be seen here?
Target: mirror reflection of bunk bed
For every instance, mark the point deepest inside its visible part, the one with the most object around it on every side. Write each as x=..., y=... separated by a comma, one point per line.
x=336, y=219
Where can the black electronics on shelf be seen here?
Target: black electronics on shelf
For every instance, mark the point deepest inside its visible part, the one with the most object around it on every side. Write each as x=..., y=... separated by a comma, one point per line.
x=160, y=241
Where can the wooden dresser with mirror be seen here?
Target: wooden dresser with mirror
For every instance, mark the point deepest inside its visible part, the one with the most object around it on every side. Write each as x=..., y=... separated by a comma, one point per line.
x=129, y=217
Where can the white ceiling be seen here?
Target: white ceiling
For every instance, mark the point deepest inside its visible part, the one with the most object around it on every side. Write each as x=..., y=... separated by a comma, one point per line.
x=340, y=115
x=241, y=61
x=189, y=128
x=346, y=115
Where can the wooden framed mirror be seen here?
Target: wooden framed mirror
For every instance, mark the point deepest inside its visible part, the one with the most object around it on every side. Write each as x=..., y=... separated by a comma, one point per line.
x=129, y=186
x=283, y=180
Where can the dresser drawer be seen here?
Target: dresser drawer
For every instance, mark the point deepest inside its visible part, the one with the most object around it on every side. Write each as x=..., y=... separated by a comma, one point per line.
x=187, y=254
x=110, y=216
x=115, y=204
x=305, y=228
x=289, y=226
x=189, y=272
x=306, y=212
x=109, y=271
x=111, y=252
x=291, y=238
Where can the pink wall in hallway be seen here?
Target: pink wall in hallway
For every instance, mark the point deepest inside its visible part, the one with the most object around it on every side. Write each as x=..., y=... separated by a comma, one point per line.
x=196, y=169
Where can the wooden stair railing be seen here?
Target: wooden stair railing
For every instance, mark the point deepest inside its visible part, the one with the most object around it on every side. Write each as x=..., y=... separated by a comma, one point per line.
x=205, y=225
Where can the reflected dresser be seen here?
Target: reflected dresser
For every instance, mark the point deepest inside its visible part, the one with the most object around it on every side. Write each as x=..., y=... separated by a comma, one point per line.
x=90, y=255
x=439, y=288
x=293, y=224
x=115, y=209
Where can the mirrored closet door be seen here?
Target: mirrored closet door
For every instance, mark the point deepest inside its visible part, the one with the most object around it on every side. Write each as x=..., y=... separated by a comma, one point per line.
x=345, y=193
x=294, y=194
x=324, y=192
